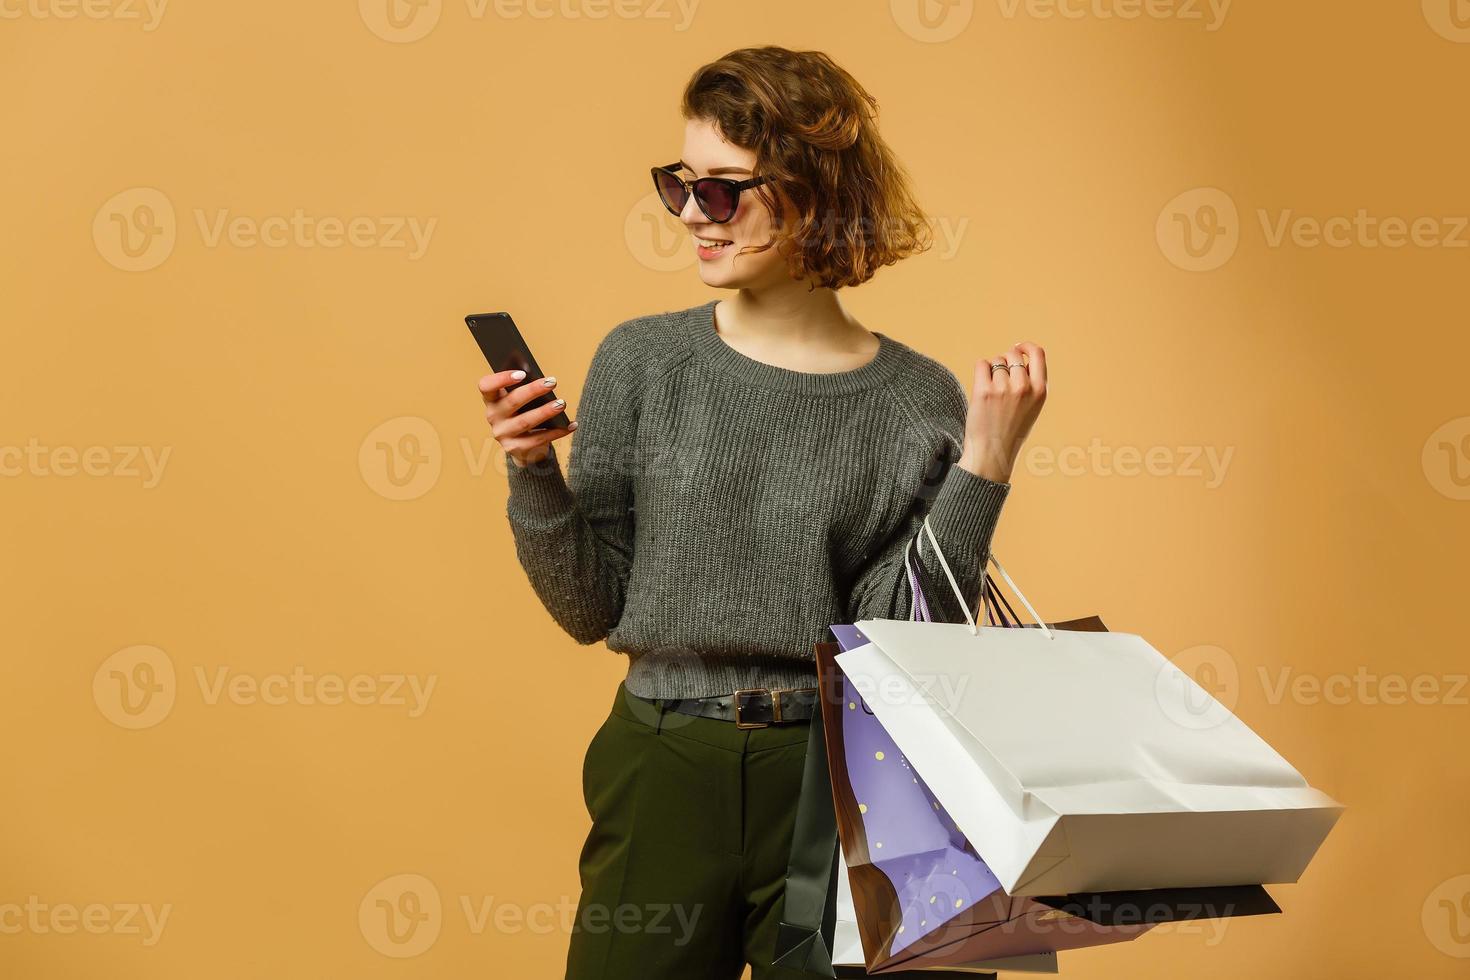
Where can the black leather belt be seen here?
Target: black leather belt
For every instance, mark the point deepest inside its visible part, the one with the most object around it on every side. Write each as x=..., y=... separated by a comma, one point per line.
x=755, y=707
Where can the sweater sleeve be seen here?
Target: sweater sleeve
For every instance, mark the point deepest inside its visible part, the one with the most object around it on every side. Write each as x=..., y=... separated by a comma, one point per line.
x=574, y=535
x=963, y=510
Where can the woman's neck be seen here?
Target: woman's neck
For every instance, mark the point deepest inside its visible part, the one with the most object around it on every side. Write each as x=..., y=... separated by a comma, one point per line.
x=793, y=327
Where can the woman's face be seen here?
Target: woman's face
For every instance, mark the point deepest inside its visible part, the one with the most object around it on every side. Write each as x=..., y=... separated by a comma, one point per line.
x=707, y=154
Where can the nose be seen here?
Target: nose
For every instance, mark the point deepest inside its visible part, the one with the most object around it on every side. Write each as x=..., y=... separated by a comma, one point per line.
x=691, y=215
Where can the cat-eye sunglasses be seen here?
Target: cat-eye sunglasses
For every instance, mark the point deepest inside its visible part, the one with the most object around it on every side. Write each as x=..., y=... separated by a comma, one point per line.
x=717, y=197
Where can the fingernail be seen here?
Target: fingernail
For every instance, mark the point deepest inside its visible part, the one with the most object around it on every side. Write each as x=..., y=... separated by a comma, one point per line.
x=559, y=402
x=572, y=426
x=548, y=382
x=518, y=375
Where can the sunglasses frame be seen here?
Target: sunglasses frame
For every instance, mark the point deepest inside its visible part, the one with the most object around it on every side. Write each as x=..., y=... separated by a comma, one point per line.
x=691, y=188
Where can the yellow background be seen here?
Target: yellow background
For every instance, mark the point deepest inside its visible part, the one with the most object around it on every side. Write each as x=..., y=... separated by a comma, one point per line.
x=1050, y=147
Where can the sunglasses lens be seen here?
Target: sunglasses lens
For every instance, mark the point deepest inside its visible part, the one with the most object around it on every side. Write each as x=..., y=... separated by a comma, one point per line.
x=671, y=191
x=717, y=198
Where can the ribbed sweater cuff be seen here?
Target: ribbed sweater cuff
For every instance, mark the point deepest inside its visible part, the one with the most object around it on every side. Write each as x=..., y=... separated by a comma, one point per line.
x=964, y=515
x=538, y=492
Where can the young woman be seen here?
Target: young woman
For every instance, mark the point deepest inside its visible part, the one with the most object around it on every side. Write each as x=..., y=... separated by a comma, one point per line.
x=746, y=473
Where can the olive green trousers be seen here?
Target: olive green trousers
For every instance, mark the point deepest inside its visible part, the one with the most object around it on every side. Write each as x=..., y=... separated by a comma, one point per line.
x=684, y=868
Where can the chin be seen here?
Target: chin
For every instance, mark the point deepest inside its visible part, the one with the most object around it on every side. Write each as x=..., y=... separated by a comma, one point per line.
x=725, y=274
x=722, y=276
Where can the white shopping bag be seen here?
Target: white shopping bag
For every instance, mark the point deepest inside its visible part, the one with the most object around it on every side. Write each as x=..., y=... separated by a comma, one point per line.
x=1085, y=761
x=847, y=943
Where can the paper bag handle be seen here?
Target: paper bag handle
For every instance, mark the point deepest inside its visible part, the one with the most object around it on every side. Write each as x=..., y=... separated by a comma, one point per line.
x=994, y=601
x=964, y=605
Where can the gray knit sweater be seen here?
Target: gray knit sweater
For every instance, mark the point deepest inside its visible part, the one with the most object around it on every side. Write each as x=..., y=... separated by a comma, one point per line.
x=719, y=513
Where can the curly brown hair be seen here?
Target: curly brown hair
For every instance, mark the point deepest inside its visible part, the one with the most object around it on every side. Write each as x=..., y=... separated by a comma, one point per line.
x=814, y=129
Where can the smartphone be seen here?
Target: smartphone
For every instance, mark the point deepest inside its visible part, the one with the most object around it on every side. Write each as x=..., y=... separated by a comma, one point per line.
x=506, y=350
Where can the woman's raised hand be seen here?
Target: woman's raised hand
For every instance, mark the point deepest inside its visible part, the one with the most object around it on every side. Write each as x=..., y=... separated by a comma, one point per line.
x=1008, y=394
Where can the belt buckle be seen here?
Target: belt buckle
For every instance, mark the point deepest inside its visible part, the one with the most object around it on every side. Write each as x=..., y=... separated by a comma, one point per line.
x=775, y=706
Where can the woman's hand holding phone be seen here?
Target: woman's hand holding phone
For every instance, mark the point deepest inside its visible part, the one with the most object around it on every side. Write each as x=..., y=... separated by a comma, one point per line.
x=512, y=430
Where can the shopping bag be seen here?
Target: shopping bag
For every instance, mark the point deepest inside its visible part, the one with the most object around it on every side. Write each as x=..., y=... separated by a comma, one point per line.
x=816, y=909
x=924, y=897
x=851, y=961
x=807, y=922
x=1080, y=761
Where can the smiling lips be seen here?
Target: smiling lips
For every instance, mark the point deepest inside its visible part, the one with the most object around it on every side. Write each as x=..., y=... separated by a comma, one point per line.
x=709, y=248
